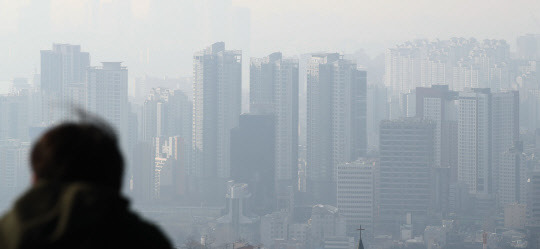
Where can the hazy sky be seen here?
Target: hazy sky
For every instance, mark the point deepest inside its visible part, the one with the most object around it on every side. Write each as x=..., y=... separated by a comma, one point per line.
x=159, y=37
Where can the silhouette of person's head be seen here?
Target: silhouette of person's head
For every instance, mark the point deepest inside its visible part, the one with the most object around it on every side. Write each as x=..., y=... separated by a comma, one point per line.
x=72, y=152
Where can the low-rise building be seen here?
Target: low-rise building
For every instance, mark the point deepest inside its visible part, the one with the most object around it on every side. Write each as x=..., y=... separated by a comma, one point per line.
x=515, y=216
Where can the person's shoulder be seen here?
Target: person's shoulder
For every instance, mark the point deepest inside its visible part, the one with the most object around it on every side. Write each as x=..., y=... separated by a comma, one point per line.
x=8, y=230
x=142, y=232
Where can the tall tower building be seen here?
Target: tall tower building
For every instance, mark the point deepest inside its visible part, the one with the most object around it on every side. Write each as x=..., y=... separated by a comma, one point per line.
x=512, y=176
x=107, y=93
x=439, y=105
x=336, y=121
x=107, y=96
x=217, y=81
x=474, y=140
x=406, y=172
x=504, y=130
x=61, y=67
x=274, y=90
x=488, y=126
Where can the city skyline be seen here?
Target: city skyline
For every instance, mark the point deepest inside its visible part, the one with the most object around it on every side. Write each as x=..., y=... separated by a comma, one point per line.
x=431, y=135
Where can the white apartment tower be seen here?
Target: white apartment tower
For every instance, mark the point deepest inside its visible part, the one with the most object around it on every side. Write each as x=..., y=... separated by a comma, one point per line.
x=488, y=126
x=107, y=96
x=217, y=82
x=474, y=140
x=107, y=93
x=274, y=90
x=336, y=120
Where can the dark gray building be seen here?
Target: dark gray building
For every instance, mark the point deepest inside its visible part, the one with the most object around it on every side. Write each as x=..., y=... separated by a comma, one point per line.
x=253, y=160
x=406, y=172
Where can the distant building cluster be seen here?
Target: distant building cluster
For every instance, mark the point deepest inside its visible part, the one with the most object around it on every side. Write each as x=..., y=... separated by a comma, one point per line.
x=440, y=151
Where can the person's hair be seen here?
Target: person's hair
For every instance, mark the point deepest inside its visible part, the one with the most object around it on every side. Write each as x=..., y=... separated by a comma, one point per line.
x=72, y=152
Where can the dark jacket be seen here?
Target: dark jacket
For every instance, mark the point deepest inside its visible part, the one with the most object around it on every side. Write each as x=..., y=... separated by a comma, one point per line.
x=75, y=215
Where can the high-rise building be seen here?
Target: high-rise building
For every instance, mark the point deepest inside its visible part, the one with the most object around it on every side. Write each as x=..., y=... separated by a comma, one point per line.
x=75, y=98
x=14, y=168
x=528, y=47
x=336, y=121
x=488, y=126
x=35, y=97
x=356, y=194
x=439, y=105
x=107, y=93
x=512, y=177
x=168, y=113
x=143, y=172
x=474, y=140
x=15, y=115
x=377, y=111
x=408, y=103
x=63, y=65
x=533, y=199
x=402, y=68
x=504, y=129
x=216, y=107
x=274, y=90
x=459, y=199
x=529, y=96
x=406, y=172
x=107, y=96
x=169, y=179
x=253, y=160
